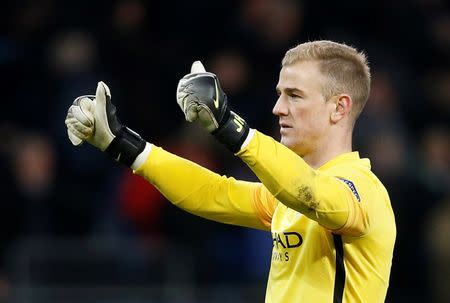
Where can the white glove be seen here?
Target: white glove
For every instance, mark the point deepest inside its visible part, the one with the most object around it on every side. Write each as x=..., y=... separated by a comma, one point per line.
x=80, y=120
x=87, y=119
x=93, y=119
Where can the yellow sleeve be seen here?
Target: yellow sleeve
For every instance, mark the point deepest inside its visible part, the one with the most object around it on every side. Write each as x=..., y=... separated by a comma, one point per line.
x=357, y=223
x=205, y=193
x=319, y=196
x=264, y=204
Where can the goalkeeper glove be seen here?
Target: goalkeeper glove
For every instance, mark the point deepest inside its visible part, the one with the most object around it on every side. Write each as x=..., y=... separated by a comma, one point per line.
x=93, y=119
x=201, y=98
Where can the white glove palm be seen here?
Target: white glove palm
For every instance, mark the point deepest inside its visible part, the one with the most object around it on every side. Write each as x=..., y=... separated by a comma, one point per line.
x=87, y=119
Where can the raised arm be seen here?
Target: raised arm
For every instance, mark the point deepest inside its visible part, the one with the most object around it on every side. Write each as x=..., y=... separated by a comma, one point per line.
x=186, y=184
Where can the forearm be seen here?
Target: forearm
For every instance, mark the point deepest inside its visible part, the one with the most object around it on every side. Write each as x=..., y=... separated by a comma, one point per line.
x=294, y=183
x=199, y=190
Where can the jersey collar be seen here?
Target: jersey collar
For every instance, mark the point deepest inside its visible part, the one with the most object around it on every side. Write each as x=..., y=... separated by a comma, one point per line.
x=346, y=157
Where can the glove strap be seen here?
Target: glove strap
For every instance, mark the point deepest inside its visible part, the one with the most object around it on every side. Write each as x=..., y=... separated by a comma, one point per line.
x=126, y=146
x=233, y=132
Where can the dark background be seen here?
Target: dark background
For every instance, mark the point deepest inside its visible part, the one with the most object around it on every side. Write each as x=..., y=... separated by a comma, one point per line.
x=76, y=227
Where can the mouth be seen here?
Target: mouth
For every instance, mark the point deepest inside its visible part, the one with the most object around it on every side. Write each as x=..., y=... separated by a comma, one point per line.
x=285, y=125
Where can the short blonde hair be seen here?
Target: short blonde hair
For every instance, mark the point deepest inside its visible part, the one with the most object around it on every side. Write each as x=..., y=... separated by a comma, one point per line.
x=347, y=69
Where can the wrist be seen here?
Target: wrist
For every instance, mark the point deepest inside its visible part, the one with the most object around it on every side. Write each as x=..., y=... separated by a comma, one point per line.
x=249, y=138
x=126, y=146
x=232, y=132
x=142, y=157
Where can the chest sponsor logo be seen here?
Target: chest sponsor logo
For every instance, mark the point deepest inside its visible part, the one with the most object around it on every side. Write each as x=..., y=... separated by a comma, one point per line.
x=283, y=242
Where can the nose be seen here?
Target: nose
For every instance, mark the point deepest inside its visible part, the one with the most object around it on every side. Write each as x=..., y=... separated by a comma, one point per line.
x=280, y=108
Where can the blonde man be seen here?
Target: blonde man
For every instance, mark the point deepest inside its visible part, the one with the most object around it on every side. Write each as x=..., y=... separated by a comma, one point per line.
x=332, y=225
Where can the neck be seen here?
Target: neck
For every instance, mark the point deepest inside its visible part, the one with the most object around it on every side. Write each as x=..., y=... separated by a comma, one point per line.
x=328, y=150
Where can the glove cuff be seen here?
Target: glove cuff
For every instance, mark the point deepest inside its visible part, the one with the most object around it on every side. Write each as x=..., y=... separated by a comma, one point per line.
x=126, y=146
x=232, y=132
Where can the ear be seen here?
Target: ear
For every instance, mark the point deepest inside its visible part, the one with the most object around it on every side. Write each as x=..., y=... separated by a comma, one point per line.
x=342, y=107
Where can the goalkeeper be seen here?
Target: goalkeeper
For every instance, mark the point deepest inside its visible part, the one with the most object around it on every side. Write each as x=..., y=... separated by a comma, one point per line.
x=332, y=225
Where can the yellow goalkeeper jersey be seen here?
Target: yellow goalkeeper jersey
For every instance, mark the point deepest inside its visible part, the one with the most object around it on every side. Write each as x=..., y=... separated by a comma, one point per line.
x=333, y=229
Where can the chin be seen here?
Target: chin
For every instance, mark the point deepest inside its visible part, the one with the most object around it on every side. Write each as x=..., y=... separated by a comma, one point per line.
x=286, y=142
x=294, y=146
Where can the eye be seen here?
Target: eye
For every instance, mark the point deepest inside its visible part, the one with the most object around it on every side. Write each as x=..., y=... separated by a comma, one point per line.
x=295, y=97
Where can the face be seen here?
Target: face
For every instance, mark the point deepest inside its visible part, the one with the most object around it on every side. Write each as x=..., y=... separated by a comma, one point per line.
x=304, y=114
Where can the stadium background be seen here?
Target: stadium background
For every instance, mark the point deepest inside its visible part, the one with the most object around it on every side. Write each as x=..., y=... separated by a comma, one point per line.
x=75, y=227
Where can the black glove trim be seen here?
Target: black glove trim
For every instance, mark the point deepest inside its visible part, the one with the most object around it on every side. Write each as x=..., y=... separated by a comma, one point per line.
x=126, y=146
x=232, y=132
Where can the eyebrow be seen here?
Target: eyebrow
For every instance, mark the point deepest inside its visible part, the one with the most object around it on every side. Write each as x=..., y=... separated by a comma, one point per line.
x=291, y=90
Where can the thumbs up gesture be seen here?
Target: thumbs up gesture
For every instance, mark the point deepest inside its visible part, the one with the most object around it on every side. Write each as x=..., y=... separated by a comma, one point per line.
x=201, y=98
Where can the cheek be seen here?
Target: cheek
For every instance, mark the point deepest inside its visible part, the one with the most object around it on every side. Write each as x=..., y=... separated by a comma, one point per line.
x=304, y=117
x=311, y=121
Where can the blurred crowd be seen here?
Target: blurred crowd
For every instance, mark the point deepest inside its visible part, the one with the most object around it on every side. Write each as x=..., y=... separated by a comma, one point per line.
x=52, y=193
